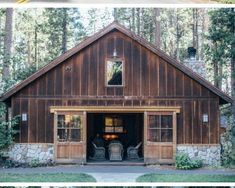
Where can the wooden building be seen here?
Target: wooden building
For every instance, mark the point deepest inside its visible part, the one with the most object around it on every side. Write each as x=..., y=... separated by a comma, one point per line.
x=119, y=86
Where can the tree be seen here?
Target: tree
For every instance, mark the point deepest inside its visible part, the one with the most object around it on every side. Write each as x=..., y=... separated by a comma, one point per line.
x=222, y=53
x=157, y=28
x=7, y=44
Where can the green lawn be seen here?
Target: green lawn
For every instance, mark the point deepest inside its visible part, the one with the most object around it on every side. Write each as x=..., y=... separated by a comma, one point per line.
x=185, y=178
x=226, y=1
x=57, y=177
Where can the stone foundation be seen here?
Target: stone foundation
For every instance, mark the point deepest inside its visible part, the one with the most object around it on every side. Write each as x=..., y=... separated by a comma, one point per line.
x=25, y=153
x=210, y=154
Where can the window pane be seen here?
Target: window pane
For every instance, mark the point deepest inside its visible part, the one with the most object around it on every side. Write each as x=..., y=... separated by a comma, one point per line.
x=154, y=121
x=114, y=72
x=76, y=121
x=69, y=128
x=154, y=135
x=62, y=135
x=166, y=135
x=166, y=121
x=61, y=119
x=75, y=135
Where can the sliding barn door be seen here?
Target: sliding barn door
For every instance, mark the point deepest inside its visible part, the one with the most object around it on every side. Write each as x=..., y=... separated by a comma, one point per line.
x=70, y=130
x=160, y=137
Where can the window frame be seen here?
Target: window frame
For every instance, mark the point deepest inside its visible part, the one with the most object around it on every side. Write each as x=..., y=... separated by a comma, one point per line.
x=81, y=129
x=123, y=71
x=160, y=127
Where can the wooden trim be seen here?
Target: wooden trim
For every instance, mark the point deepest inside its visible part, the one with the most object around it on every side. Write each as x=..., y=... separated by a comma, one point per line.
x=145, y=134
x=120, y=109
x=84, y=133
x=174, y=133
x=115, y=26
x=198, y=144
x=55, y=135
x=105, y=97
x=161, y=113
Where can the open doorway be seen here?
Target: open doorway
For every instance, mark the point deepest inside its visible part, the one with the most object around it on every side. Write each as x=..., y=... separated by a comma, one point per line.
x=125, y=128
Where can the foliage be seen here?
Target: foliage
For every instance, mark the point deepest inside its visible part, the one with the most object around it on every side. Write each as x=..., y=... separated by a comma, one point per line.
x=34, y=163
x=185, y=178
x=8, y=163
x=183, y=162
x=49, y=177
x=7, y=130
x=220, y=54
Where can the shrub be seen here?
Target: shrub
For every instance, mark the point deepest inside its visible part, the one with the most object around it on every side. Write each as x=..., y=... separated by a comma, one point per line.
x=10, y=164
x=7, y=130
x=34, y=163
x=182, y=161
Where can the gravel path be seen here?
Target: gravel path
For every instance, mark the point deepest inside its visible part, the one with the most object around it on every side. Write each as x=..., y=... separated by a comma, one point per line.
x=114, y=173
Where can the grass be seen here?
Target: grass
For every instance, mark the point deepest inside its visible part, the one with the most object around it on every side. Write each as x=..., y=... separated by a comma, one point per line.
x=185, y=178
x=56, y=177
x=226, y=1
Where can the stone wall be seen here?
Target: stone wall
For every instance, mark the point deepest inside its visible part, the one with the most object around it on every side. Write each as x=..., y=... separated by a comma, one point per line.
x=25, y=153
x=210, y=154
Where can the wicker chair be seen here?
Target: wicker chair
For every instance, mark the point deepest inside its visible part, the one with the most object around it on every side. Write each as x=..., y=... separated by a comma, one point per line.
x=132, y=152
x=99, y=152
x=115, y=151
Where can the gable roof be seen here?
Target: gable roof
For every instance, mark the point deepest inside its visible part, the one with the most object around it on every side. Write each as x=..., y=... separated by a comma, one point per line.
x=224, y=98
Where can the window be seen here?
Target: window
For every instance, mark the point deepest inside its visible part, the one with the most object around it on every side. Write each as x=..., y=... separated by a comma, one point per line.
x=114, y=73
x=69, y=128
x=113, y=125
x=160, y=128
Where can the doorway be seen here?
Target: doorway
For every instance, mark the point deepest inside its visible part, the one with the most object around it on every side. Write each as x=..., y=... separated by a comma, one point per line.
x=126, y=128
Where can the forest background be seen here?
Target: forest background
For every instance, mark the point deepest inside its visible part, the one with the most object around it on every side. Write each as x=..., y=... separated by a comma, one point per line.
x=31, y=38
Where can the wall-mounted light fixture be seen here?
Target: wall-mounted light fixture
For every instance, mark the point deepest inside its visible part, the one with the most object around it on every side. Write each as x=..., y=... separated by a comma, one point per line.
x=205, y=118
x=24, y=117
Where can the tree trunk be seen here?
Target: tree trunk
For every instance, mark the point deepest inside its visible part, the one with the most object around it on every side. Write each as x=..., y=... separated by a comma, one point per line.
x=216, y=67
x=195, y=29
x=233, y=71
x=138, y=20
x=29, y=49
x=133, y=19
x=36, y=46
x=177, y=54
x=157, y=28
x=201, y=50
x=7, y=43
x=64, y=28
x=115, y=16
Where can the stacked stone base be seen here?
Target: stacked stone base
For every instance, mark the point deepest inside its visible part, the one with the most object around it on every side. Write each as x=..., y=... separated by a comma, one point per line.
x=209, y=154
x=26, y=153
x=44, y=153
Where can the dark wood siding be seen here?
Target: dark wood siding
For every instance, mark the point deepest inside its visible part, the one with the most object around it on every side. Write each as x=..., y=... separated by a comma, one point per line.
x=149, y=81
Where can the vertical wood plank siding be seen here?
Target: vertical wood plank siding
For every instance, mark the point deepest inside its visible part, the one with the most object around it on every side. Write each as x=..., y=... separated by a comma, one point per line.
x=149, y=80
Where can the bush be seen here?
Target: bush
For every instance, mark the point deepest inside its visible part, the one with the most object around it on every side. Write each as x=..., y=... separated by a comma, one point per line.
x=34, y=163
x=10, y=164
x=7, y=130
x=182, y=161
